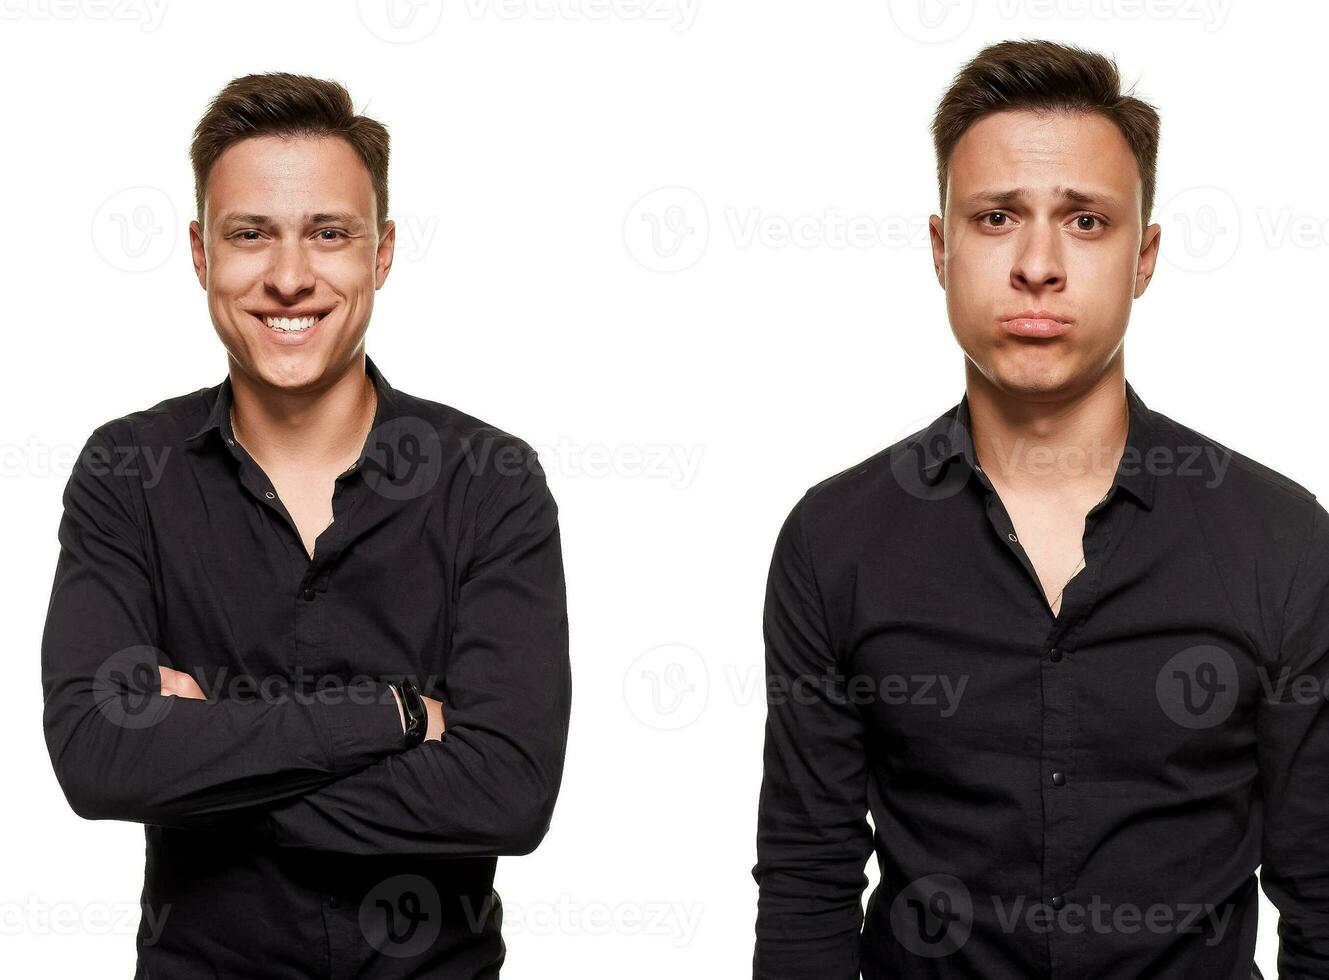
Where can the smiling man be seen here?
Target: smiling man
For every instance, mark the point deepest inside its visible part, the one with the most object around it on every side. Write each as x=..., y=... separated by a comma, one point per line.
x=1134, y=618
x=320, y=648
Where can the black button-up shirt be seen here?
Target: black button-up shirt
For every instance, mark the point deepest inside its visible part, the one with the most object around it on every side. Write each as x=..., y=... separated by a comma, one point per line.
x=289, y=833
x=1086, y=794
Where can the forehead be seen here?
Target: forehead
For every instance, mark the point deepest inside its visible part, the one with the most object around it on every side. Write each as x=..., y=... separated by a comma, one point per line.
x=1042, y=151
x=289, y=176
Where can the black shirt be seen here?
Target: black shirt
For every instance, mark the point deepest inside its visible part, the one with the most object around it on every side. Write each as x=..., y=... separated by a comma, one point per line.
x=289, y=832
x=1086, y=794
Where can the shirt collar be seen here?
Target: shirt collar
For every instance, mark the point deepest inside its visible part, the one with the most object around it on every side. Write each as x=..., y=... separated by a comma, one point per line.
x=948, y=437
x=389, y=408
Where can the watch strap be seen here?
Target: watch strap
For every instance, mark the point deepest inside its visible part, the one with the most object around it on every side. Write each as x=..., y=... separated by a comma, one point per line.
x=417, y=718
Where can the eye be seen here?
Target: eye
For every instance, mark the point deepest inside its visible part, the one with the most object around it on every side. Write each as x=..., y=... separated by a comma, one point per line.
x=247, y=231
x=1090, y=217
x=333, y=231
x=993, y=214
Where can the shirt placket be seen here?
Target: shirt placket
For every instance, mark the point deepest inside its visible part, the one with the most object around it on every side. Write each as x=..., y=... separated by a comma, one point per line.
x=340, y=915
x=1062, y=843
x=341, y=920
x=310, y=652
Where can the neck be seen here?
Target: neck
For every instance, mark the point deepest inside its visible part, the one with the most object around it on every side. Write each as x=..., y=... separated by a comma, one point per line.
x=1068, y=442
x=312, y=427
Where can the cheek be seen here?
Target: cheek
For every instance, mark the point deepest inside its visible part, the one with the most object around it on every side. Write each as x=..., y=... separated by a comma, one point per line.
x=344, y=266
x=1104, y=269
x=975, y=263
x=1105, y=286
x=233, y=276
x=346, y=276
x=974, y=277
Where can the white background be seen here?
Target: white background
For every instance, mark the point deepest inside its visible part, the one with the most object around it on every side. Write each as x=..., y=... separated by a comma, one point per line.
x=680, y=412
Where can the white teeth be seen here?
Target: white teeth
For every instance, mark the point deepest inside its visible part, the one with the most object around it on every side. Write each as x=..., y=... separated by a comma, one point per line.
x=290, y=325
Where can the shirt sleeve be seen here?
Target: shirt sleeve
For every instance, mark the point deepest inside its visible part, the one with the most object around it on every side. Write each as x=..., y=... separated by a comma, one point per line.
x=1293, y=732
x=122, y=751
x=813, y=839
x=489, y=787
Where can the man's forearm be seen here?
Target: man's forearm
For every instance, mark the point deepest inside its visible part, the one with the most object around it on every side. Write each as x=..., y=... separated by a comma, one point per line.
x=181, y=684
x=179, y=761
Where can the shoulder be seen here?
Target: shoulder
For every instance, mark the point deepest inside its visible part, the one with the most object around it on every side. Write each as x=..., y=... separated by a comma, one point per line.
x=1231, y=490
x=481, y=446
x=169, y=420
x=1195, y=453
x=884, y=486
x=475, y=464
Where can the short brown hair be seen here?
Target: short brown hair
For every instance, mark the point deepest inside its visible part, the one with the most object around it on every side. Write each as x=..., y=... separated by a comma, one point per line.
x=1044, y=76
x=281, y=104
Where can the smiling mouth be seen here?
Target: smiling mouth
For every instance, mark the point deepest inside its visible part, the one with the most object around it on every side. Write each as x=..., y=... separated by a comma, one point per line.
x=288, y=324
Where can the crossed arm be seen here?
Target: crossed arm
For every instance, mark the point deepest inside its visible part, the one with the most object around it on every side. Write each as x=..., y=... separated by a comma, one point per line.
x=176, y=683
x=327, y=772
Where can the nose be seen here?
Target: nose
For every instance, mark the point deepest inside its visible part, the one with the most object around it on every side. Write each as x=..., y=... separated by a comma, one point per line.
x=291, y=274
x=1038, y=261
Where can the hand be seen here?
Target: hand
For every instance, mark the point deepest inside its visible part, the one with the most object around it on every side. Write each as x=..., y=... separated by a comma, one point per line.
x=180, y=684
x=434, y=711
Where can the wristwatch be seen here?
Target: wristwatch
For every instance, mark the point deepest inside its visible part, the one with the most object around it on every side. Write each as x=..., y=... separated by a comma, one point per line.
x=417, y=719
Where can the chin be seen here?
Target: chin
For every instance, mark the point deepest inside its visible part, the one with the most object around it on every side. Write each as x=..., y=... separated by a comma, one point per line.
x=293, y=371
x=1029, y=378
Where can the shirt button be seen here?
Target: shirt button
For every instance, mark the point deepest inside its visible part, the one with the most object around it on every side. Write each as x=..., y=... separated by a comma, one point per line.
x=334, y=901
x=1055, y=655
x=230, y=441
x=308, y=595
x=269, y=494
x=1057, y=901
x=1058, y=779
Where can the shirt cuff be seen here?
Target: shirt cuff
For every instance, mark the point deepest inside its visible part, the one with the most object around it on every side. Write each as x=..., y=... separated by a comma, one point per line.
x=362, y=724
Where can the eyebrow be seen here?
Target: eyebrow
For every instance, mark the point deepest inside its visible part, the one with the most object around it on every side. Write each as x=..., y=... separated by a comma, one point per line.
x=323, y=217
x=1018, y=195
